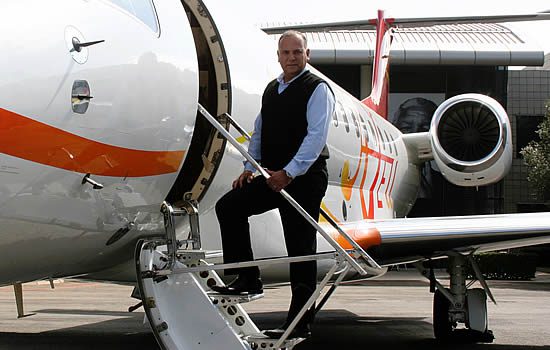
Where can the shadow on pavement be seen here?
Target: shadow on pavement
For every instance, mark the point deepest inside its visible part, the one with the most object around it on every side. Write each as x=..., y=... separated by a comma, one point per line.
x=342, y=329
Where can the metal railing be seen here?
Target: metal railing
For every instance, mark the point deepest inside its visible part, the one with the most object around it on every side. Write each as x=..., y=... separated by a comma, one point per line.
x=357, y=249
x=344, y=260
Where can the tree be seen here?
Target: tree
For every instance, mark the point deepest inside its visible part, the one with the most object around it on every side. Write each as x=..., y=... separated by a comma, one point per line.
x=537, y=157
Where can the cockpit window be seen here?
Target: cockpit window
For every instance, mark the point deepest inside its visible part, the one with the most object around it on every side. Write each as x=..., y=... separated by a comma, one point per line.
x=143, y=10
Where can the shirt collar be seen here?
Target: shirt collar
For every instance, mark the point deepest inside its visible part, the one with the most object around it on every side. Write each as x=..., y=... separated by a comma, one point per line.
x=281, y=78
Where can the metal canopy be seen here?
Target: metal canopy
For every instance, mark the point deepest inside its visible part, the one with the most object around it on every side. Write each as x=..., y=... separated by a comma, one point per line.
x=459, y=44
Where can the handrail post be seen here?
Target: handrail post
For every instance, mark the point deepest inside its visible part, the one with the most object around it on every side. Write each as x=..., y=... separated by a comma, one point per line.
x=169, y=227
x=192, y=210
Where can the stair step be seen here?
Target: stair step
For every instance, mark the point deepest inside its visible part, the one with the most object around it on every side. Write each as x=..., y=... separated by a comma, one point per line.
x=188, y=255
x=226, y=299
x=261, y=341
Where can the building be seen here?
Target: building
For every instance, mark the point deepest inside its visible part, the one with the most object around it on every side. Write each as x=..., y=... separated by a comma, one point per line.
x=528, y=93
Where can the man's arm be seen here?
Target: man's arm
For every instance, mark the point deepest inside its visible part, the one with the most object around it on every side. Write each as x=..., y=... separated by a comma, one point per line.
x=254, y=147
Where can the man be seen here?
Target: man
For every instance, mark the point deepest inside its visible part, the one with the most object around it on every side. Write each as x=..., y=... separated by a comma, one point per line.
x=289, y=140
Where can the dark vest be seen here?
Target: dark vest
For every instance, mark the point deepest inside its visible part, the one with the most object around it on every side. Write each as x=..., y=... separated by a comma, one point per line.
x=284, y=121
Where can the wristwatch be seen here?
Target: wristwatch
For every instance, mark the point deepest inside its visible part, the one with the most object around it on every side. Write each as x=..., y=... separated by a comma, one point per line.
x=288, y=175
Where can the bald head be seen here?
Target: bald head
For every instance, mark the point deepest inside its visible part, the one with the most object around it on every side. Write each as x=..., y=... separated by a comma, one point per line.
x=296, y=34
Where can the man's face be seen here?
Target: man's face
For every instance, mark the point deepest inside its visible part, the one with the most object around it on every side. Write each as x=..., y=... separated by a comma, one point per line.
x=293, y=56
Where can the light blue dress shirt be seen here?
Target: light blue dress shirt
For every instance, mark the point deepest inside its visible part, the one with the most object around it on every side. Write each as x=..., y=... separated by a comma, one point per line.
x=320, y=108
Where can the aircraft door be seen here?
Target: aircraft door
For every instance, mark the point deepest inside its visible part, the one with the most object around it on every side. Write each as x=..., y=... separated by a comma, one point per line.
x=139, y=79
x=139, y=66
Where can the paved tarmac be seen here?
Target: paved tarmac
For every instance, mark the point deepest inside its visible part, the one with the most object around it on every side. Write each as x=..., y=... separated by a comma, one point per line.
x=394, y=310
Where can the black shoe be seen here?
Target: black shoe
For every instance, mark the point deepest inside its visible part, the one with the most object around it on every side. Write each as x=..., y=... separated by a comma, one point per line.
x=241, y=285
x=298, y=332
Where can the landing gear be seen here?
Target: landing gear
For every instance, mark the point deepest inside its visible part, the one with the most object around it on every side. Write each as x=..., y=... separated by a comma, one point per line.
x=459, y=305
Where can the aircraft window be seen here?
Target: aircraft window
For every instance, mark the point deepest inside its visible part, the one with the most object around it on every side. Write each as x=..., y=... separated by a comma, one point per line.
x=356, y=123
x=381, y=138
x=144, y=10
x=373, y=133
x=389, y=141
x=346, y=122
x=364, y=125
x=335, y=117
x=392, y=139
x=344, y=115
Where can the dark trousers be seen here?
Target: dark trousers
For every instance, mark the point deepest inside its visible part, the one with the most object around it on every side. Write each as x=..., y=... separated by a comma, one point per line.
x=234, y=209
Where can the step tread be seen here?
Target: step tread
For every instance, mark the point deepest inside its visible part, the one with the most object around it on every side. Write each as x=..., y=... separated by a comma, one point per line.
x=226, y=299
x=262, y=338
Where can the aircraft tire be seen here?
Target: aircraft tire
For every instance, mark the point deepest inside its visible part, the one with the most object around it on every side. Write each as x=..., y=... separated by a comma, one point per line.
x=442, y=326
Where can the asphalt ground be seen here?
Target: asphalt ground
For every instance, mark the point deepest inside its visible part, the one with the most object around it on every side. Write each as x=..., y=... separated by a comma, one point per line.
x=394, y=310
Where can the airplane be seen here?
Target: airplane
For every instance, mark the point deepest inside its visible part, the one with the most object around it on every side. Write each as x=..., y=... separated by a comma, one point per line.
x=103, y=125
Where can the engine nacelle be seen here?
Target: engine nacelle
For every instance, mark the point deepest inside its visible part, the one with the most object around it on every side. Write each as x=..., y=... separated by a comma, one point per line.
x=471, y=140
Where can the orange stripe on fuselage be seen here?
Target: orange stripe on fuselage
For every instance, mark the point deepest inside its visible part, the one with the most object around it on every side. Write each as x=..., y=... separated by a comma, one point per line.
x=29, y=139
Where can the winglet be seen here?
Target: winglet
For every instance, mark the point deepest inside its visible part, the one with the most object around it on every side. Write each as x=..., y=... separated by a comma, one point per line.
x=378, y=99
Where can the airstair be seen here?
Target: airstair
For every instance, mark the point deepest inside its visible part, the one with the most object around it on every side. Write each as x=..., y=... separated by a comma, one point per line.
x=175, y=276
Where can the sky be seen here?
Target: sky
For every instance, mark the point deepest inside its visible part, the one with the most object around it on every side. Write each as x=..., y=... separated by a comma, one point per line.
x=263, y=11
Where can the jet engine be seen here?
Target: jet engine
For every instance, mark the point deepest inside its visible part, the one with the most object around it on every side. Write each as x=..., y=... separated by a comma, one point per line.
x=471, y=140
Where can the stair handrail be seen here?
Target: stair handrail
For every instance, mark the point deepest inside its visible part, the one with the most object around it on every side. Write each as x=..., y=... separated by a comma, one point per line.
x=329, y=219
x=374, y=267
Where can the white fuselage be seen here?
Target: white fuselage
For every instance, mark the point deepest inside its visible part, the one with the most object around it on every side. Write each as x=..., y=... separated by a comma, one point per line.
x=135, y=134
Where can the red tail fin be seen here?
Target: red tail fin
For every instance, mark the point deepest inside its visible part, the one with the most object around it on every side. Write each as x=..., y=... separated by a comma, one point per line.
x=378, y=99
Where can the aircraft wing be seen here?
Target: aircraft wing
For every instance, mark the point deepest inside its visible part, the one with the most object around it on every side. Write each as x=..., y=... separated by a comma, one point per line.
x=408, y=22
x=412, y=239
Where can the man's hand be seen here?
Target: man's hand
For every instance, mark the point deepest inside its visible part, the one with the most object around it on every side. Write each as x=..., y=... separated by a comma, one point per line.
x=278, y=180
x=245, y=177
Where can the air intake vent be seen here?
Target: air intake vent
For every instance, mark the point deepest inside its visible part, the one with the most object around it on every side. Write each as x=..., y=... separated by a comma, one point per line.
x=468, y=131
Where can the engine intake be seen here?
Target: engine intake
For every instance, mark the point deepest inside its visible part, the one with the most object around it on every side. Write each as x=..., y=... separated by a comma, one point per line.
x=471, y=140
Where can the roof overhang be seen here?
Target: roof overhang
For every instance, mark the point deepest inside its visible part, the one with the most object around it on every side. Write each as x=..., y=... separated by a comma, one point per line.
x=461, y=44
